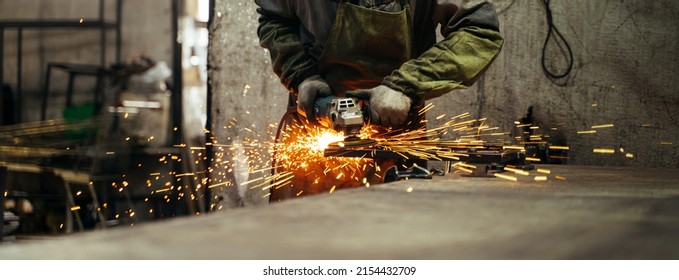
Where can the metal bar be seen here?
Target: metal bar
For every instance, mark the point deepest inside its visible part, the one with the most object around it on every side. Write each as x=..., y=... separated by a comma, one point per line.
x=3, y=178
x=17, y=105
x=45, y=93
x=102, y=35
x=177, y=87
x=101, y=10
x=177, y=82
x=69, y=91
x=97, y=206
x=99, y=91
x=63, y=23
x=70, y=209
x=119, y=18
x=208, y=123
x=29, y=127
x=2, y=80
x=190, y=188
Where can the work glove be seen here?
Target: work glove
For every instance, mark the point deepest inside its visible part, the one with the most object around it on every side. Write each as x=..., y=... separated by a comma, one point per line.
x=309, y=90
x=388, y=107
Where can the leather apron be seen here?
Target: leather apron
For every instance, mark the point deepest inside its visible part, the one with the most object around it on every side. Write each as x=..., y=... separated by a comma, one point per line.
x=364, y=46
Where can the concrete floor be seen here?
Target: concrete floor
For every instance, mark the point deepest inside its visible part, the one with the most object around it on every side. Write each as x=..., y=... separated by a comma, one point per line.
x=596, y=213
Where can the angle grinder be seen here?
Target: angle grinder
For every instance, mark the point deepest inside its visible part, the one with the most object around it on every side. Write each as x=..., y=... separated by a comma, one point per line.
x=343, y=114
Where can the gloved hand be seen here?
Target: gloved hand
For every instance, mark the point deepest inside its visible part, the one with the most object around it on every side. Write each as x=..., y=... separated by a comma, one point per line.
x=388, y=107
x=309, y=90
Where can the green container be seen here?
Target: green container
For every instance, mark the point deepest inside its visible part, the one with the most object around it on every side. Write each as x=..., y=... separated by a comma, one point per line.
x=78, y=115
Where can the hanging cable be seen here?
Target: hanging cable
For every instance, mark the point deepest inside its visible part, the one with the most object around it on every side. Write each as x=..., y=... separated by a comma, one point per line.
x=553, y=30
x=291, y=112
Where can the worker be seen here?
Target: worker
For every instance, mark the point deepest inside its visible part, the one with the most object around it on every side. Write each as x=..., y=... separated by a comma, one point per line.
x=384, y=51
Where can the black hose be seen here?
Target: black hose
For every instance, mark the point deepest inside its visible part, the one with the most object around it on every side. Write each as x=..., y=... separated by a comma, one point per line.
x=281, y=125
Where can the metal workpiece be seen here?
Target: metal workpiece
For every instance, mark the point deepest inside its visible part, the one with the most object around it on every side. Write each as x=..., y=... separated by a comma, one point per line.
x=484, y=161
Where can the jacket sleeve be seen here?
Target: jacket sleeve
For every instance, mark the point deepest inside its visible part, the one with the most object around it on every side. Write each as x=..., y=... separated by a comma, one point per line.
x=279, y=32
x=472, y=41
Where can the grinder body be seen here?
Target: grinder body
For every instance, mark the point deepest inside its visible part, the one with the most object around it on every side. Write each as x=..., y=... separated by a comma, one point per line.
x=341, y=114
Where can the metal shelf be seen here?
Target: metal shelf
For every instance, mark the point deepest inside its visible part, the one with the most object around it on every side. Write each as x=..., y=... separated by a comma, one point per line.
x=84, y=23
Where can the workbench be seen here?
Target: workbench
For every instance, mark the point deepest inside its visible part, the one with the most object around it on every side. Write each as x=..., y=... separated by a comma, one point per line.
x=589, y=213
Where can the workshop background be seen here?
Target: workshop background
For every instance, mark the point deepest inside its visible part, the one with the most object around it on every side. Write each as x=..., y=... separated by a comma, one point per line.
x=100, y=94
x=146, y=26
x=624, y=73
x=619, y=95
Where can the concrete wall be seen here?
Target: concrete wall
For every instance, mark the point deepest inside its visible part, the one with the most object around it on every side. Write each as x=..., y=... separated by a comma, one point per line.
x=244, y=89
x=146, y=29
x=624, y=74
x=625, y=63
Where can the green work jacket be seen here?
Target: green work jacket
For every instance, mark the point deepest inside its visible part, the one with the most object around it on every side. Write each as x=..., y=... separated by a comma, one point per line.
x=294, y=32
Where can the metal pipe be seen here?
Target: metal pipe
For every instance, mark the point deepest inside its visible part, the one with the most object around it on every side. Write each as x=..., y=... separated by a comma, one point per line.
x=101, y=10
x=119, y=18
x=17, y=105
x=52, y=24
x=208, y=122
x=45, y=93
x=2, y=81
x=177, y=83
x=177, y=87
x=69, y=91
x=102, y=34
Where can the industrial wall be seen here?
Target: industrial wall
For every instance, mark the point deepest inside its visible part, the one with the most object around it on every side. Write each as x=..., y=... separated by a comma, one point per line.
x=146, y=30
x=620, y=94
x=625, y=57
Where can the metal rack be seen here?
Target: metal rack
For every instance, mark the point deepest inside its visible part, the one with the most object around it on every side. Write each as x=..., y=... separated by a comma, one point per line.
x=98, y=23
x=176, y=133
